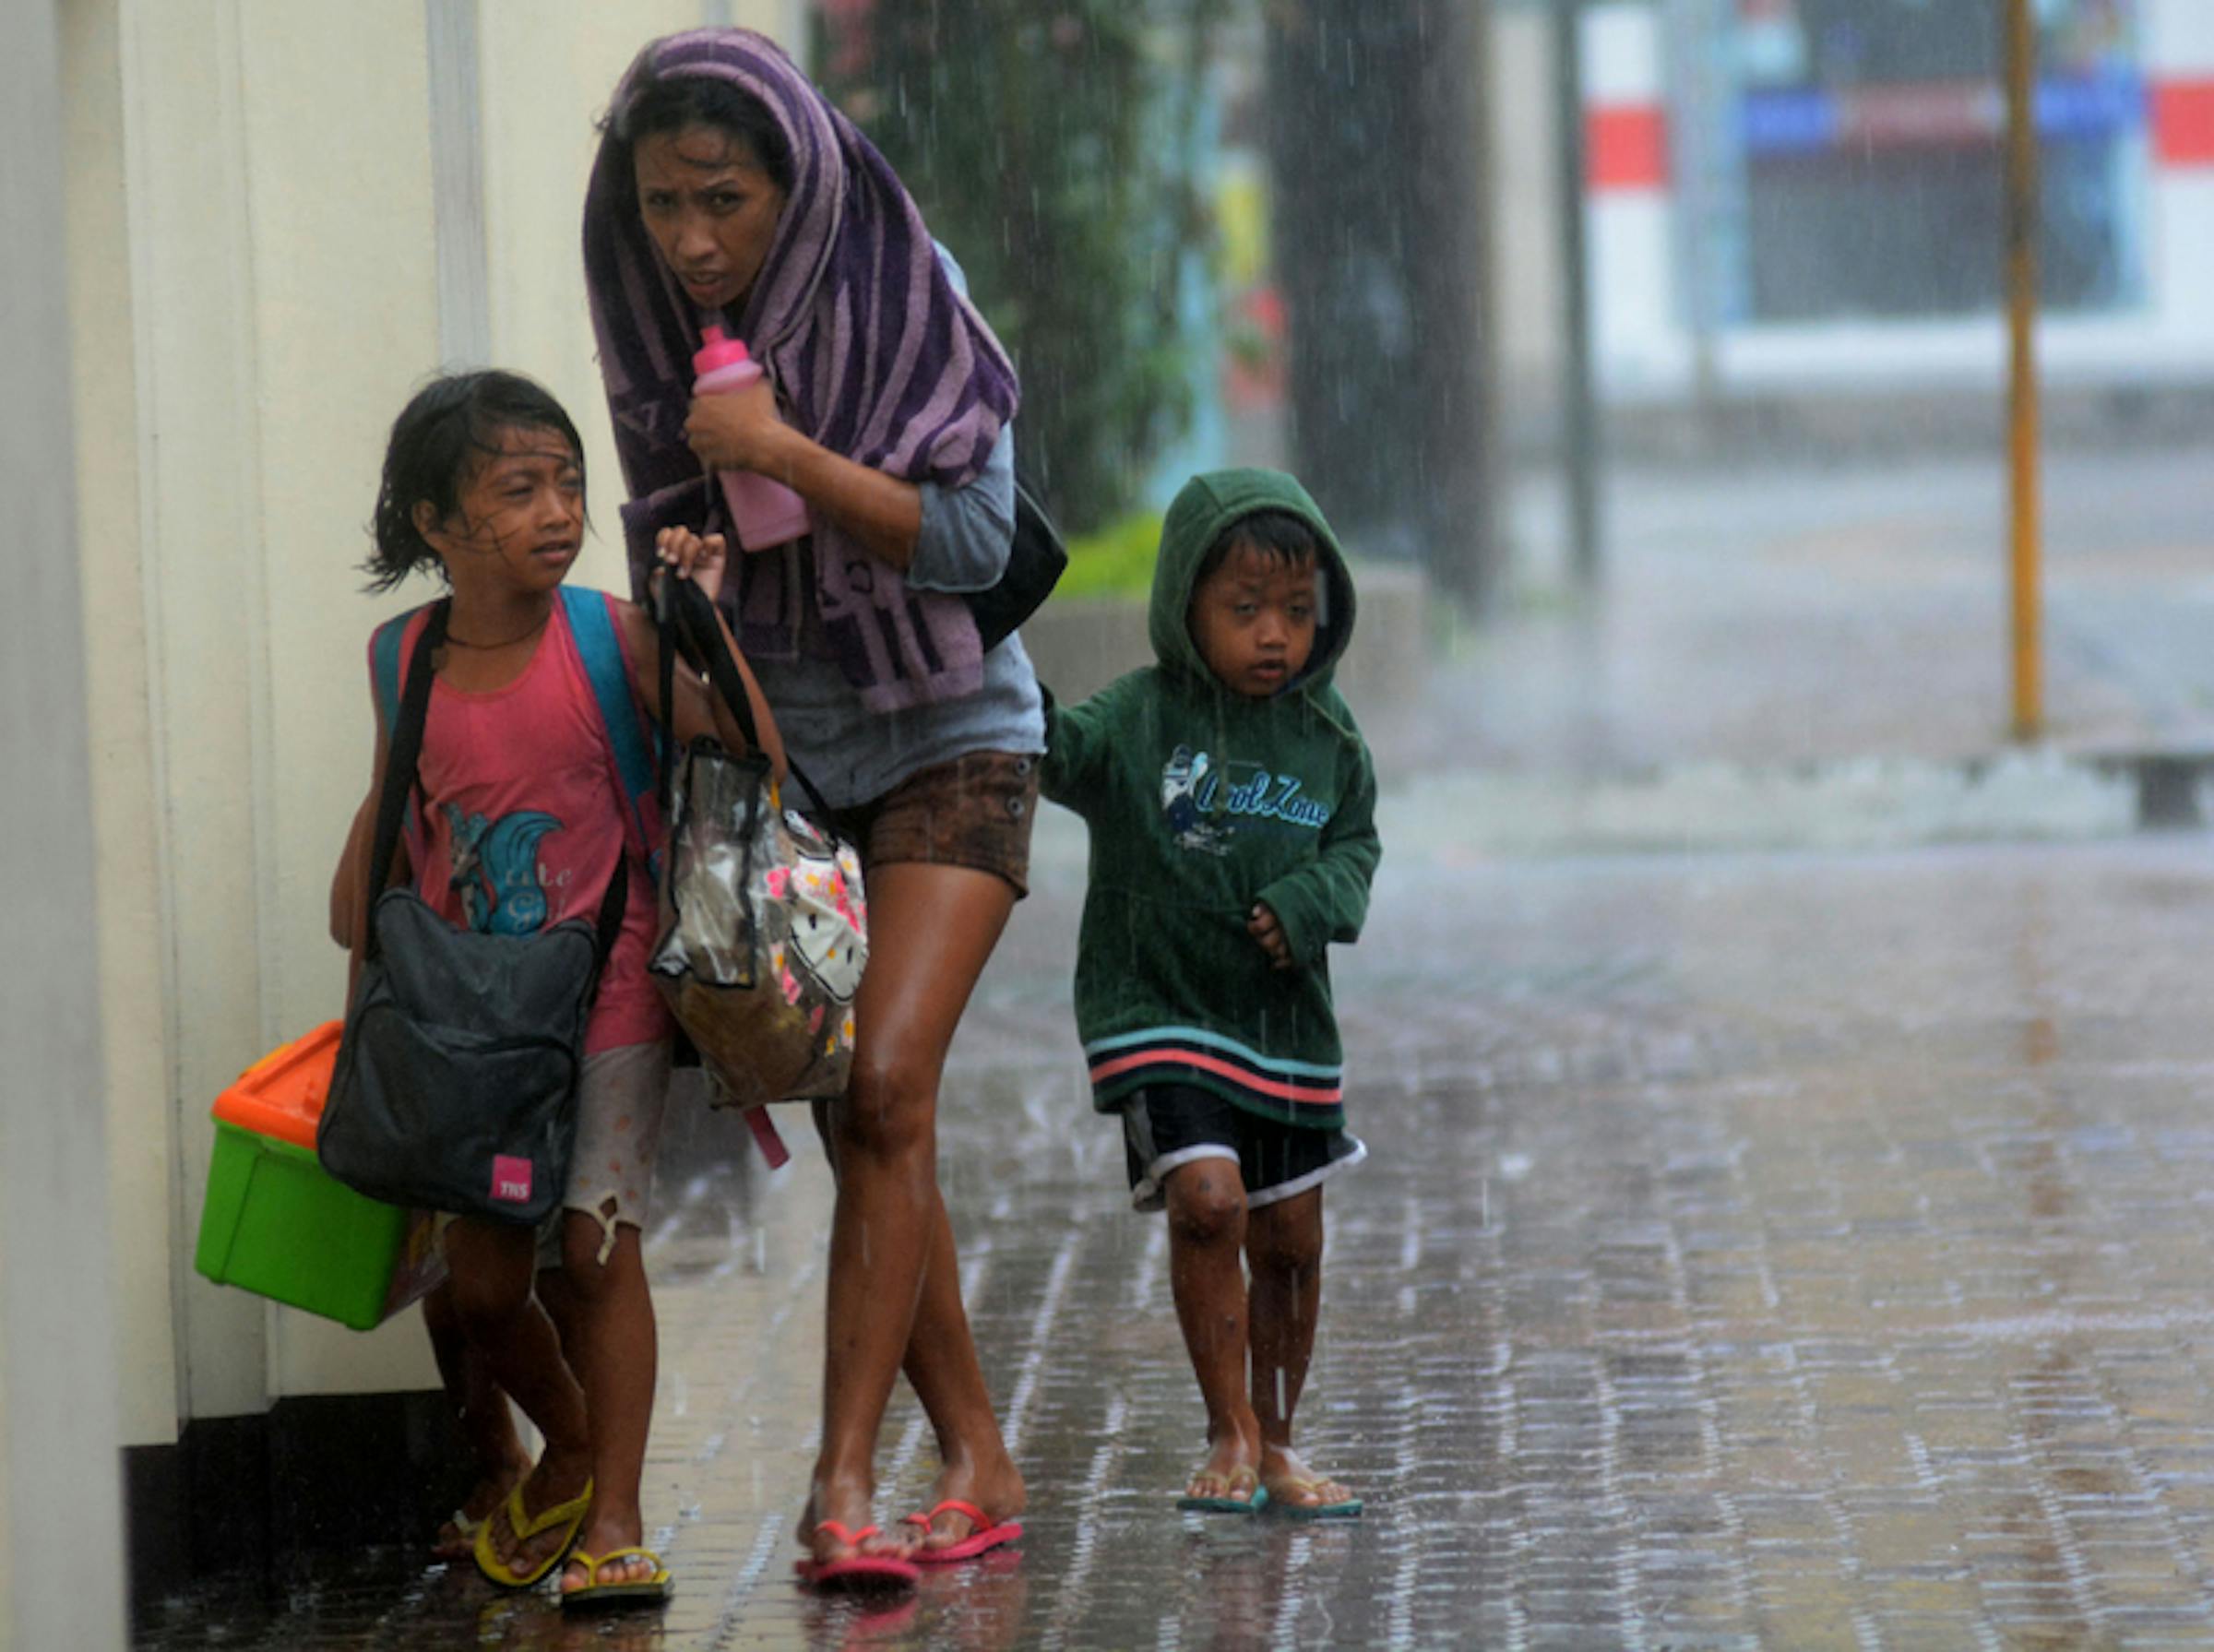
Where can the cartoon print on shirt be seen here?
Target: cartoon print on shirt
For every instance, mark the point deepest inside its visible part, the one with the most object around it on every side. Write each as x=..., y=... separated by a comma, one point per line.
x=496, y=867
x=1205, y=803
x=1182, y=783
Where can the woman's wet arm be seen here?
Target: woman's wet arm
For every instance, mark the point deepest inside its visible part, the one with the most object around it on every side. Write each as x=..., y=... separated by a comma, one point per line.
x=884, y=512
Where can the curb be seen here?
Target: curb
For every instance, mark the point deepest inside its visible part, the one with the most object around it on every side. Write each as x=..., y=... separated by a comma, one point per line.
x=1866, y=805
x=2174, y=788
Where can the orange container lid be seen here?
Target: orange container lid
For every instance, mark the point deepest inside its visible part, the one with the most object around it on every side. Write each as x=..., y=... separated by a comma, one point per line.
x=282, y=1094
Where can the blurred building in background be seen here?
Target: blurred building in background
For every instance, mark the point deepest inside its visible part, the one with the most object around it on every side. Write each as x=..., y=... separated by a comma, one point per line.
x=1798, y=195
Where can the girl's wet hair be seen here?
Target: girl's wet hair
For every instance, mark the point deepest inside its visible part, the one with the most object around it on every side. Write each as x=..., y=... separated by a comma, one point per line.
x=451, y=426
x=668, y=103
x=1278, y=535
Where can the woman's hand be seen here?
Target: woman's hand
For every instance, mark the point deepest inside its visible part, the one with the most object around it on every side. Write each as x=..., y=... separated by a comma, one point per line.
x=737, y=430
x=689, y=556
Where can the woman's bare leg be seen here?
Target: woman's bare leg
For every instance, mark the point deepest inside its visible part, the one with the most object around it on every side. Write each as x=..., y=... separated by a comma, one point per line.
x=895, y=1284
x=941, y=1364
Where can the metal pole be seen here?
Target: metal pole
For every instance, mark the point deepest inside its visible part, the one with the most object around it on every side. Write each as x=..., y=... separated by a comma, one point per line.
x=2023, y=219
x=1579, y=417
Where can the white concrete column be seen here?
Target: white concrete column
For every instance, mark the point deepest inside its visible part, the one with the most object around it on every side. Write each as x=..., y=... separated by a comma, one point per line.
x=135, y=1052
x=2179, y=65
x=1631, y=201
x=60, y=1541
x=458, y=184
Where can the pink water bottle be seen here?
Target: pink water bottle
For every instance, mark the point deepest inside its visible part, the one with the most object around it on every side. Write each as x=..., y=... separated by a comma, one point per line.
x=764, y=511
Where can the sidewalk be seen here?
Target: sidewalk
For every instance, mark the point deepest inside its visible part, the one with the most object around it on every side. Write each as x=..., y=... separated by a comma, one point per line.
x=1756, y=1250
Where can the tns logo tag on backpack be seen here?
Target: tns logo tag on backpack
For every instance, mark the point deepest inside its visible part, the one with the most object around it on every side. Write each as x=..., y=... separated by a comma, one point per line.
x=510, y=1179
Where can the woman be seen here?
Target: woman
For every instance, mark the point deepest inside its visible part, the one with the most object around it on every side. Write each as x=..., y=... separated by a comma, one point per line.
x=728, y=192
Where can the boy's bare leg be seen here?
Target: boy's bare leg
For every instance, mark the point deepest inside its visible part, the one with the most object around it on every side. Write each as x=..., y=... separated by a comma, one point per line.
x=486, y=1423
x=1283, y=1244
x=1207, y=1232
x=893, y=1284
x=613, y=1344
x=492, y=1268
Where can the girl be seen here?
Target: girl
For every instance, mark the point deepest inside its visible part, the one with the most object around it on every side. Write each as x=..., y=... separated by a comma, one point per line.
x=729, y=191
x=520, y=821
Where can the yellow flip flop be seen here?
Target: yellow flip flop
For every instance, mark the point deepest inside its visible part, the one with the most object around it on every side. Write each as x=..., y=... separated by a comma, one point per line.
x=633, y=1591
x=1245, y=1478
x=570, y=1514
x=1346, y=1508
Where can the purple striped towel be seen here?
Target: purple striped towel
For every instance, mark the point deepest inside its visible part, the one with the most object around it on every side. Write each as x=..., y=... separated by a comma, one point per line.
x=872, y=352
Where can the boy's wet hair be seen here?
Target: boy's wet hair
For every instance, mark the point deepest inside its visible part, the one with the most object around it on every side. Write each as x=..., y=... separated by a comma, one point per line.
x=1279, y=535
x=668, y=103
x=449, y=427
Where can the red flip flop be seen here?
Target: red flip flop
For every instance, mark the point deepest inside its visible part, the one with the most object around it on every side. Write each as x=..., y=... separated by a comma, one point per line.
x=985, y=1536
x=859, y=1573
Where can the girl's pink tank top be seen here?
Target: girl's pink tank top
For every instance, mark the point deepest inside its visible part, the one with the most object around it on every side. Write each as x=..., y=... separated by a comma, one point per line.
x=519, y=820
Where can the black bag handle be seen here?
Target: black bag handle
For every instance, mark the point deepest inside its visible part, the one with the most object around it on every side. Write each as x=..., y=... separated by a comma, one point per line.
x=688, y=624
x=401, y=761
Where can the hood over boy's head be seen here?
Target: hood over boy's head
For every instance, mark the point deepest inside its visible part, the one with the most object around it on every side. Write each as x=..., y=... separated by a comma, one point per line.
x=1251, y=591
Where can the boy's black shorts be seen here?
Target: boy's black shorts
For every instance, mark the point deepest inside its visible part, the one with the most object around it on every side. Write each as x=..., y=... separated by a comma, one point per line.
x=1165, y=1125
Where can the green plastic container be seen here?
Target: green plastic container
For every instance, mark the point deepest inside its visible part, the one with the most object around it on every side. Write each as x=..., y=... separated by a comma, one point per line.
x=275, y=1224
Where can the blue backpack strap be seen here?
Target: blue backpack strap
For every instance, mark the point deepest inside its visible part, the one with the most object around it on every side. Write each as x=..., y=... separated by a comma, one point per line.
x=384, y=663
x=384, y=669
x=593, y=626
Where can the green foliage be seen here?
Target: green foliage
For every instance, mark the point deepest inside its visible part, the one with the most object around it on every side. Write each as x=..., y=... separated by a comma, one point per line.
x=1117, y=560
x=1030, y=132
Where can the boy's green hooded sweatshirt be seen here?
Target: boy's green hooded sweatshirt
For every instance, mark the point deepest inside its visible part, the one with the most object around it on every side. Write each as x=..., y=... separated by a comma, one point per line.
x=1201, y=802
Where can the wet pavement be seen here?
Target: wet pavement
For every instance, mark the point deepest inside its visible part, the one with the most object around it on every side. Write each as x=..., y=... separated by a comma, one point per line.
x=1821, y=610
x=1777, y=1251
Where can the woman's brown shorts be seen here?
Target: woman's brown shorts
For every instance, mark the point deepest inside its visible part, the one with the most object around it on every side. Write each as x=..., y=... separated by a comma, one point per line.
x=974, y=811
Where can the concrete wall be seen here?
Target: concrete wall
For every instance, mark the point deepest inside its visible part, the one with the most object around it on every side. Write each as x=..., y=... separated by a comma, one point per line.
x=126, y=831
x=60, y=1525
x=254, y=291
x=538, y=153
x=281, y=305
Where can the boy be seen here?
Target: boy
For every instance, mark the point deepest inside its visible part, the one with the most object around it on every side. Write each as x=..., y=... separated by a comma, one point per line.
x=1231, y=802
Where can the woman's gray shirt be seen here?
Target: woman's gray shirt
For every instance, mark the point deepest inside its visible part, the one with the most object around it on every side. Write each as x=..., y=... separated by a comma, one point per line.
x=857, y=755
